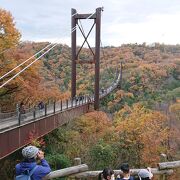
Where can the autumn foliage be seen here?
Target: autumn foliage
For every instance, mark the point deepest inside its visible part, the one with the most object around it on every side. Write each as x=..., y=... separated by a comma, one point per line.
x=9, y=34
x=143, y=134
x=143, y=116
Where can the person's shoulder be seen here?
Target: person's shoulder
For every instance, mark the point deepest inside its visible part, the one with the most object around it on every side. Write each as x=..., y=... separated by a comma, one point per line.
x=17, y=165
x=43, y=169
x=131, y=178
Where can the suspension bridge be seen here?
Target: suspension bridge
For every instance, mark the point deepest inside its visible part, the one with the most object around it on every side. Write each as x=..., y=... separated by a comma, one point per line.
x=15, y=127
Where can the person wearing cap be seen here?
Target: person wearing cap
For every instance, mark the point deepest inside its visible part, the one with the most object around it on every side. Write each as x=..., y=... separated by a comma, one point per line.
x=125, y=172
x=31, y=154
x=145, y=174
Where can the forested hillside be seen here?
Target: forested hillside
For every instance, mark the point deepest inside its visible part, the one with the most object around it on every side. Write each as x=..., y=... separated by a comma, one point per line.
x=136, y=123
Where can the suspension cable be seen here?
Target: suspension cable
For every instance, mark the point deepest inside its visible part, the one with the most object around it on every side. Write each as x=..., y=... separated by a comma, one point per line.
x=17, y=44
x=28, y=65
x=73, y=29
x=74, y=14
x=90, y=15
x=25, y=61
x=103, y=53
x=104, y=57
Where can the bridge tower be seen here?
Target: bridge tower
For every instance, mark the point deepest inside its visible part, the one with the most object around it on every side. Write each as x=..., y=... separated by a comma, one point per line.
x=96, y=55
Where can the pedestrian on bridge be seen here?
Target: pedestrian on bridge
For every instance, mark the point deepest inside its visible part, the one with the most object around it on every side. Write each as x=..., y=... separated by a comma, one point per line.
x=41, y=105
x=31, y=154
x=22, y=108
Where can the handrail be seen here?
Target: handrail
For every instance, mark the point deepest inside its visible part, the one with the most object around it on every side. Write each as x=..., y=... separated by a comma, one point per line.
x=169, y=165
x=81, y=171
x=18, y=118
x=66, y=171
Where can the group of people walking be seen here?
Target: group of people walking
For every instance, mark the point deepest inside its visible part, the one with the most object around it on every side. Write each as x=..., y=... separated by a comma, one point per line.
x=108, y=174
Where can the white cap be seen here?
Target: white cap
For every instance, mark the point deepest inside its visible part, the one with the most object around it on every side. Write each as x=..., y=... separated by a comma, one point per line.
x=144, y=173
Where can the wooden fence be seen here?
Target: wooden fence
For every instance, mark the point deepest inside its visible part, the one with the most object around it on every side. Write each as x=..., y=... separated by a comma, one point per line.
x=81, y=171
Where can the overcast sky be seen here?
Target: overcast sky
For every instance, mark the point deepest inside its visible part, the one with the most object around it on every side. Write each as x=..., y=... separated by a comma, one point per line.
x=123, y=21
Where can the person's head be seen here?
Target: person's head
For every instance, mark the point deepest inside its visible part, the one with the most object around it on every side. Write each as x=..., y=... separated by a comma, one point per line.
x=30, y=152
x=125, y=168
x=107, y=174
x=145, y=174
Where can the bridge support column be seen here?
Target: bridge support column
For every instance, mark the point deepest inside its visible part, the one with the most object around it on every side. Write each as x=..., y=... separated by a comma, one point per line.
x=97, y=58
x=73, y=53
x=96, y=55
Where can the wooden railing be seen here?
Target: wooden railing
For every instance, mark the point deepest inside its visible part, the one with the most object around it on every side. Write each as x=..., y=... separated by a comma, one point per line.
x=81, y=171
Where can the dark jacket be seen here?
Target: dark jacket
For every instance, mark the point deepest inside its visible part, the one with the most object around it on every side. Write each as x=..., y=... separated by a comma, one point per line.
x=41, y=171
x=130, y=178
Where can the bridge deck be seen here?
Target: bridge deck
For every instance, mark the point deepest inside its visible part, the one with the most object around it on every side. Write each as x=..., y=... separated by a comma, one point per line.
x=17, y=137
x=15, y=129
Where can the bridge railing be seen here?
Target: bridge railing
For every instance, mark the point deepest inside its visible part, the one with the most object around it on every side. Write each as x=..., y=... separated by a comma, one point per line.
x=5, y=115
x=17, y=118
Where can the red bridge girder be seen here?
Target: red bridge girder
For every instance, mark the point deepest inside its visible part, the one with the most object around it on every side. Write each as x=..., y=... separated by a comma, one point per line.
x=15, y=138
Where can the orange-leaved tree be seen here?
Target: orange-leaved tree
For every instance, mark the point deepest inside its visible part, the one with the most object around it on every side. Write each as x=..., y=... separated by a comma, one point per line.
x=142, y=134
x=9, y=38
x=9, y=34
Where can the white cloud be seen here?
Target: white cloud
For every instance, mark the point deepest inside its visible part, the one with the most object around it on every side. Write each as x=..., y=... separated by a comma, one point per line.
x=123, y=21
x=161, y=28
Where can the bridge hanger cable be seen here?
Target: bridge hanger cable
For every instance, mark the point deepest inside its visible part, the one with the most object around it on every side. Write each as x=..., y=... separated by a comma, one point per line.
x=111, y=69
x=28, y=65
x=103, y=52
x=25, y=61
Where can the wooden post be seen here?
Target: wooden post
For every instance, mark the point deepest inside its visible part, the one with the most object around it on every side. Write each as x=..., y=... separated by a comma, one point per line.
x=163, y=158
x=169, y=165
x=66, y=171
x=77, y=161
